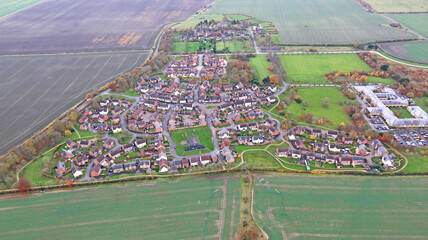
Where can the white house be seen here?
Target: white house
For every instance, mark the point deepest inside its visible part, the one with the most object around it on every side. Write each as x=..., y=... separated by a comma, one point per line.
x=116, y=129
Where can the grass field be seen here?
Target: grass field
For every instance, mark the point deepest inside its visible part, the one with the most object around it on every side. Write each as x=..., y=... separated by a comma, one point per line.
x=416, y=22
x=260, y=64
x=305, y=207
x=398, y=6
x=416, y=161
x=185, y=209
x=259, y=159
x=334, y=112
x=179, y=47
x=277, y=39
x=192, y=47
x=312, y=68
x=180, y=139
x=34, y=90
x=413, y=51
x=404, y=113
x=80, y=25
x=421, y=103
x=191, y=23
x=315, y=21
x=386, y=81
x=8, y=7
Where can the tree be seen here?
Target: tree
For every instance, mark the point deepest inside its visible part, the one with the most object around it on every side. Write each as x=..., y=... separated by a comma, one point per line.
x=326, y=102
x=356, y=44
x=73, y=116
x=266, y=80
x=24, y=185
x=384, y=67
x=274, y=79
x=67, y=133
x=410, y=95
x=305, y=103
x=113, y=86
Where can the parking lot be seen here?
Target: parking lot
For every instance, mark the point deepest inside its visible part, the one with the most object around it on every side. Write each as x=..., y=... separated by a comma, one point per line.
x=412, y=137
x=378, y=123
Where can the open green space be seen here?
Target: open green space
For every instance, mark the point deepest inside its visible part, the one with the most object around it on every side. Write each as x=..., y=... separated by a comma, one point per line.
x=180, y=139
x=260, y=63
x=416, y=161
x=421, y=103
x=404, y=113
x=303, y=69
x=314, y=96
x=184, y=209
x=261, y=159
x=178, y=47
x=387, y=81
x=33, y=171
x=316, y=21
x=8, y=7
x=309, y=207
x=276, y=39
x=398, y=5
x=192, y=47
x=191, y=23
x=232, y=17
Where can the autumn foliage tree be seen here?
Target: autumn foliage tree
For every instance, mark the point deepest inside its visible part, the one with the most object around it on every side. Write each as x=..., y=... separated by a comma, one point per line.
x=24, y=185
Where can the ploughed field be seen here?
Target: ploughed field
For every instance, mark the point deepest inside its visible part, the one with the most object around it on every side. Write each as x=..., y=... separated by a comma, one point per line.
x=307, y=207
x=184, y=209
x=316, y=21
x=80, y=25
x=34, y=90
x=8, y=7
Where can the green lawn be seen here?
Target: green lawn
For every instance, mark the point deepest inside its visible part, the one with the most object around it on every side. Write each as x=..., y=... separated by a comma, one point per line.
x=178, y=47
x=261, y=159
x=260, y=63
x=386, y=81
x=417, y=162
x=312, y=207
x=8, y=7
x=180, y=139
x=220, y=46
x=192, y=47
x=132, y=93
x=312, y=68
x=191, y=23
x=334, y=112
x=421, y=103
x=404, y=112
x=155, y=210
x=235, y=46
x=276, y=39
x=33, y=174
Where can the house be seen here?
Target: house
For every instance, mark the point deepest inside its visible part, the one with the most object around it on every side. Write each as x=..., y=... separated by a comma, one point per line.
x=257, y=139
x=131, y=166
x=357, y=160
x=177, y=164
x=116, y=129
x=291, y=136
x=82, y=160
x=348, y=140
x=84, y=144
x=185, y=163
x=129, y=147
x=310, y=156
x=273, y=131
x=316, y=132
x=362, y=140
x=163, y=166
x=108, y=144
x=331, y=159
x=115, y=154
x=387, y=161
x=335, y=148
x=139, y=143
x=299, y=144
x=71, y=143
x=205, y=159
x=101, y=160
x=194, y=161
x=345, y=160
x=332, y=134
x=118, y=168
x=96, y=171
x=144, y=164
x=230, y=158
x=362, y=149
x=66, y=154
x=282, y=152
x=223, y=133
x=244, y=139
x=243, y=127
x=296, y=154
x=76, y=171
x=96, y=151
x=60, y=169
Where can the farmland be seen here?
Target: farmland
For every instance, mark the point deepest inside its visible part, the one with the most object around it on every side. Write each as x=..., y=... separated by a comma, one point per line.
x=416, y=22
x=398, y=6
x=8, y=7
x=36, y=89
x=312, y=68
x=74, y=26
x=314, y=96
x=316, y=21
x=304, y=207
x=414, y=51
x=184, y=209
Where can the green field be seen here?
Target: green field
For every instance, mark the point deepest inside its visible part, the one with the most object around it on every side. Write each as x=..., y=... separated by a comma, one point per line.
x=276, y=39
x=316, y=21
x=386, y=81
x=179, y=47
x=398, y=5
x=334, y=112
x=404, y=112
x=260, y=64
x=260, y=159
x=180, y=139
x=413, y=51
x=219, y=46
x=312, y=68
x=416, y=161
x=416, y=22
x=8, y=7
x=421, y=103
x=184, y=209
x=191, y=23
x=305, y=207
x=192, y=47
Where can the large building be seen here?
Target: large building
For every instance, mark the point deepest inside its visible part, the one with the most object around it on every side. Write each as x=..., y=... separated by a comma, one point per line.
x=382, y=98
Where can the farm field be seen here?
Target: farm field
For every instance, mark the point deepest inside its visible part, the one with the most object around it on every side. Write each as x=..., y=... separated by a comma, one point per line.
x=180, y=139
x=8, y=7
x=260, y=63
x=312, y=68
x=414, y=51
x=34, y=90
x=191, y=23
x=398, y=6
x=307, y=207
x=316, y=21
x=74, y=26
x=416, y=22
x=334, y=112
x=185, y=209
x=259, y=159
